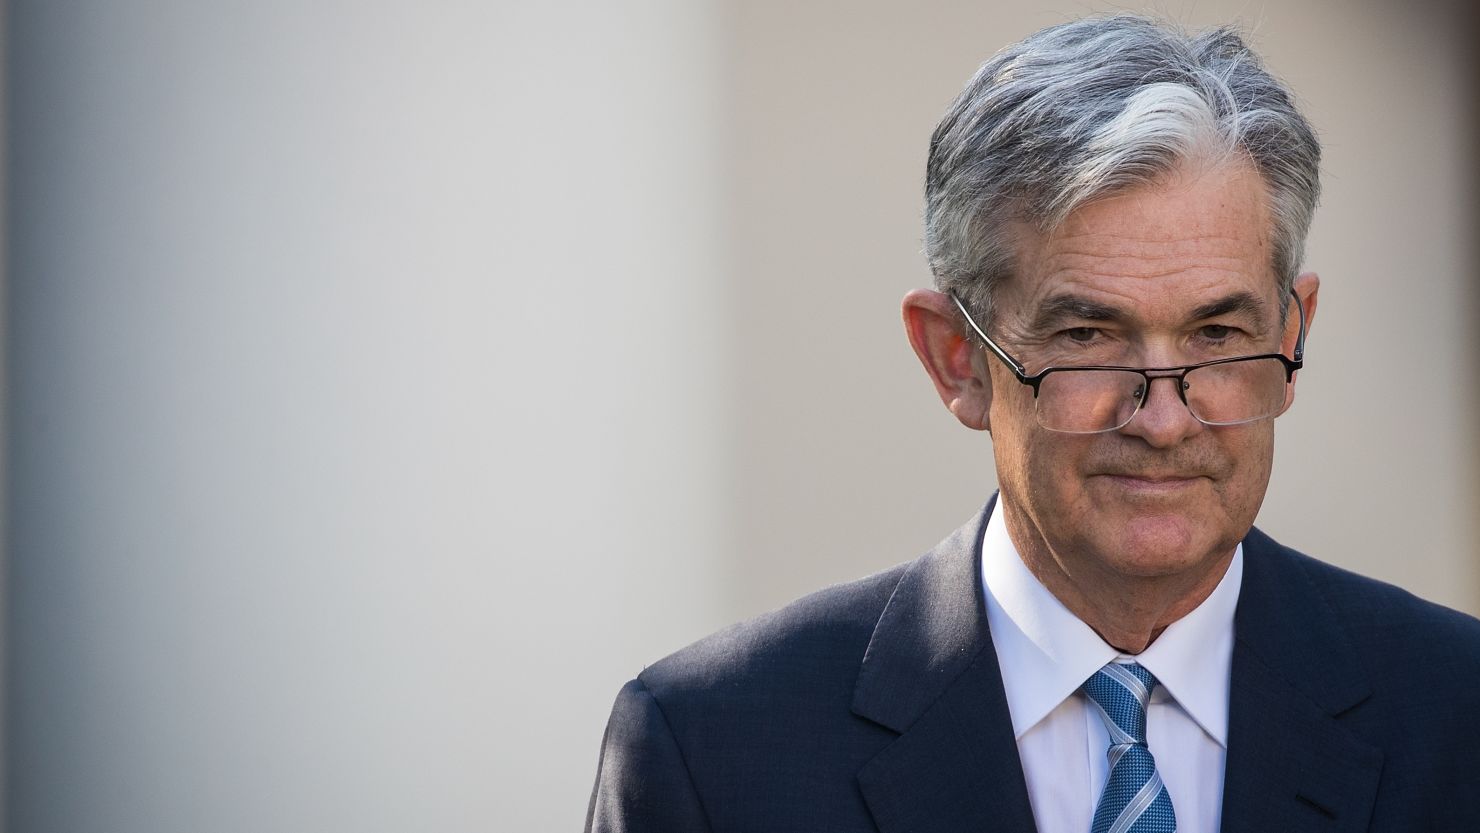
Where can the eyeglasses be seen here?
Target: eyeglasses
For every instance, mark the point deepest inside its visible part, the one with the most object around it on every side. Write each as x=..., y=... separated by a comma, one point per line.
x=1095, y=399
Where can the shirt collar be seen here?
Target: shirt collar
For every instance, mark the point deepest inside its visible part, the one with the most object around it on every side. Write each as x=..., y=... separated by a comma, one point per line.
x=1047, y=652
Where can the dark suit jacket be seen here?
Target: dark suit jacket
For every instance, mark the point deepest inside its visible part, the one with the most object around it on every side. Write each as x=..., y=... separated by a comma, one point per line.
x=878, y=705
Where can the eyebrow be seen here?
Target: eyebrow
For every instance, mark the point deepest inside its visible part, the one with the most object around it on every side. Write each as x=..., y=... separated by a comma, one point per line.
x=1061, y=308
x=1072, y=307
x=1246, y=303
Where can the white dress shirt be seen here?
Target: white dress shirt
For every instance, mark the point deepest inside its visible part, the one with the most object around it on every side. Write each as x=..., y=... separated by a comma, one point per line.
x=1046, y=653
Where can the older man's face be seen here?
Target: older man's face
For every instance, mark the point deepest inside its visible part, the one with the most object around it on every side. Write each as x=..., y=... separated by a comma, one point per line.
x=1165, y=493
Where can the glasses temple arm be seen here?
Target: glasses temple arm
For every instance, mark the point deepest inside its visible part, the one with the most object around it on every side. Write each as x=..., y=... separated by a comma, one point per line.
x=1299, y=352
x=1018, y=369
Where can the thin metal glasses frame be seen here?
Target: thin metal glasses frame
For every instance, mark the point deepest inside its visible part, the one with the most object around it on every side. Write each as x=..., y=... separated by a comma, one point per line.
x=1179, y=372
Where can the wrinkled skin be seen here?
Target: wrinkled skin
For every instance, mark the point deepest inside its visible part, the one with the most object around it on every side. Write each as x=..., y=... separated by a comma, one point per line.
x=1131, y=528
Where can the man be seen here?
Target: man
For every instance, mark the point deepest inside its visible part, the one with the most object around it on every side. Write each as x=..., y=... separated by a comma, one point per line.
x=1115, y=217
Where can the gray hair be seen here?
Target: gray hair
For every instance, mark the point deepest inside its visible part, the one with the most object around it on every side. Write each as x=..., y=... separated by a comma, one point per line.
x=1085, y=109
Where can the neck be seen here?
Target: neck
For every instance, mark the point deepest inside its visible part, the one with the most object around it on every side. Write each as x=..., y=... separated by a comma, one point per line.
x=1128, y=611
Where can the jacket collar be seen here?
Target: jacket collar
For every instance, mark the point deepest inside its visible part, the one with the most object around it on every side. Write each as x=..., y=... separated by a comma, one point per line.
x=1292, y=765
x=931, y=675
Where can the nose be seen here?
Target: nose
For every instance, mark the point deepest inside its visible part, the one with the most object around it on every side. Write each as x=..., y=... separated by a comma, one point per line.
x=1163, y=419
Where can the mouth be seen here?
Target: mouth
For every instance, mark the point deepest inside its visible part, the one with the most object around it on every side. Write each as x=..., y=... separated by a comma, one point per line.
x=1154, y=484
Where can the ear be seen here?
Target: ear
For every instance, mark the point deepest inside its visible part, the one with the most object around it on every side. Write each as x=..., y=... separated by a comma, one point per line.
x=1307, y=288
x=955, y=364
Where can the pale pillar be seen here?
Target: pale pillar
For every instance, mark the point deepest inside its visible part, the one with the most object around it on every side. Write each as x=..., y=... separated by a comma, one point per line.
x=364, y=433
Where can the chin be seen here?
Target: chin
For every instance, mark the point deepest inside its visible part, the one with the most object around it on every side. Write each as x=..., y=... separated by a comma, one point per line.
x=1159, y=545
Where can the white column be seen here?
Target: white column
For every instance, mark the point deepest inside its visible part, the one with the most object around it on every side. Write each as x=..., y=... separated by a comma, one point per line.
x=367, y=432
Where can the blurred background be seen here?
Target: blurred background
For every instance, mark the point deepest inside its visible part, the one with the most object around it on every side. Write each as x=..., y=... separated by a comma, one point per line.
x=388, y=382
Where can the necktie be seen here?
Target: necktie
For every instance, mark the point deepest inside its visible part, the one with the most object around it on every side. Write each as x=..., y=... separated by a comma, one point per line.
x=1134, y=800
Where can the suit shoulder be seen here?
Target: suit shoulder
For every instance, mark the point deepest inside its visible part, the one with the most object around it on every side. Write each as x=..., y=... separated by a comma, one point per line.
x=1370, y=601
x=746, y=723
x=1387, y=620
x=816, y=638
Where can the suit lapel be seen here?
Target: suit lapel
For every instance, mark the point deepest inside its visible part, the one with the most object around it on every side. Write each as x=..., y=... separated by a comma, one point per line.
x=930, y=673
x=1292, y=766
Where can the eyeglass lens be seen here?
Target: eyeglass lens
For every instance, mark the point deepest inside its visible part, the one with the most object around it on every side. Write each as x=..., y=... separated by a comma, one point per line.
x=1090, y=401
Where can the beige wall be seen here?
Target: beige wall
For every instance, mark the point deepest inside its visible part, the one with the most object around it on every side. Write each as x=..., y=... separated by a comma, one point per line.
x=388, y=382
x=850, y=462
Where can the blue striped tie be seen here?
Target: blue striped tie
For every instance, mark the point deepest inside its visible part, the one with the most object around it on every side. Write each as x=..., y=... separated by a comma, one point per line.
x=1134, y=800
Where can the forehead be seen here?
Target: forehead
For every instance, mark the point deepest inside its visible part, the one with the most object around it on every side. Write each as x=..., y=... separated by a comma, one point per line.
x=1152, y=251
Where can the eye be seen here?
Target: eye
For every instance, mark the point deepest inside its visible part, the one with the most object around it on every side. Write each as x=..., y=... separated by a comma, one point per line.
x=1217, y=332
x=1083, y=335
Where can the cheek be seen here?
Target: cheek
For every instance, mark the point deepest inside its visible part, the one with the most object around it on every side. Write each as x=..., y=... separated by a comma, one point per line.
x=1250, y=448
x=1046, y=469
x=1014, y=437
x=1013, y=411
x=1251, y=460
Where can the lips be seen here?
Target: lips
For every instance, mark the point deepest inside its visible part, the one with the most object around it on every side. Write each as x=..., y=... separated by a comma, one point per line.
x=1153, y=483
x=1163, y=469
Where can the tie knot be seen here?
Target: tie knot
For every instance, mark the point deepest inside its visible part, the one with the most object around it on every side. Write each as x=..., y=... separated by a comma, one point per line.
x=1121, y=692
